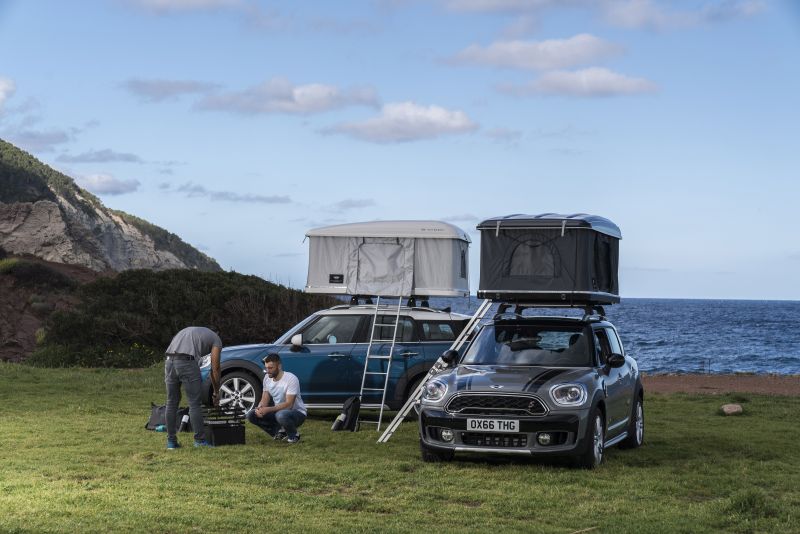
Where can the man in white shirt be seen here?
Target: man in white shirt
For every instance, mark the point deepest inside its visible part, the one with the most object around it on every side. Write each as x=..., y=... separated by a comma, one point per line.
x=288, y=410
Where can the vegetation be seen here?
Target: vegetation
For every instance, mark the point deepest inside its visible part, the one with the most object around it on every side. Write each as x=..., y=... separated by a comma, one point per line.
x=86, y=464
x=35, y=274
x=128, y=320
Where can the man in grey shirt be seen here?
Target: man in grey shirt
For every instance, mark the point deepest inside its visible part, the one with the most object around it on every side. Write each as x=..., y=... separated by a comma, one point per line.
x=182, y=367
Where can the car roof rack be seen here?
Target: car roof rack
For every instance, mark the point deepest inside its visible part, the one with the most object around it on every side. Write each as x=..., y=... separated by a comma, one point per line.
x=591, y=312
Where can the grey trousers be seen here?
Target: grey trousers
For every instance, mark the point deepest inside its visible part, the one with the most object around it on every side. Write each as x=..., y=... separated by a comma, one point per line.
x=186, y=372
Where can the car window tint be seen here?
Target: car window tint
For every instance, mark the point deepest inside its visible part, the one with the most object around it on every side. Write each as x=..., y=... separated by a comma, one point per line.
x=437, y=331
x=332, y=329
x=529, y=345
x=405, y=330
x=613, y=341
x=601, y=343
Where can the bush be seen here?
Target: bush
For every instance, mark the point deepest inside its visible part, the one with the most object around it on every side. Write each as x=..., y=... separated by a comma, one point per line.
x=3, y=253
x=33, y=274
x=120, y=356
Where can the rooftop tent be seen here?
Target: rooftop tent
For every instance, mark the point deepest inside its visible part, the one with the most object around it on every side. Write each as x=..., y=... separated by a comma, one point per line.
x=389, y=258
x=550, y=258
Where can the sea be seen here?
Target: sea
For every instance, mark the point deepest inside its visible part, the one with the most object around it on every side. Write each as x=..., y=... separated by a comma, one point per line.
x=694, y=336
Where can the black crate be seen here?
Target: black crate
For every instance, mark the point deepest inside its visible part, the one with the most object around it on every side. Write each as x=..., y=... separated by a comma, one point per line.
x=224, y=427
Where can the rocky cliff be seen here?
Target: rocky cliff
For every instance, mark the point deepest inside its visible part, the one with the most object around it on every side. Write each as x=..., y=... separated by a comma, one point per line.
x=45, y=214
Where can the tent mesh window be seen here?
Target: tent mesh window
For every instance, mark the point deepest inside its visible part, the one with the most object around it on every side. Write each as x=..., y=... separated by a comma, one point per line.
x=535, y=255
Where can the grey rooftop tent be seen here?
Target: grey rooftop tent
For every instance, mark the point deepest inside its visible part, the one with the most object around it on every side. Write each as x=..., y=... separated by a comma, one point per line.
x=550, y=258
x=389, y=258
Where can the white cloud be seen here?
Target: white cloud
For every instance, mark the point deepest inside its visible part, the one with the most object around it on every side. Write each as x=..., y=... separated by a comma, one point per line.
x=407, y=121
x=7, y=88
x=497, y=5
x=589, y=82
x=164, y=6
x=281, y=96
x=649, y=14
x=353, y=203
x=105, y=184
x=540, y=55
x=158, y=90
x=193, y=190
x=100, y=156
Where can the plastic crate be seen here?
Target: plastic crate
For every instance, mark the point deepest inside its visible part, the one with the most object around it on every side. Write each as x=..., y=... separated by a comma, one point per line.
x=224, y=426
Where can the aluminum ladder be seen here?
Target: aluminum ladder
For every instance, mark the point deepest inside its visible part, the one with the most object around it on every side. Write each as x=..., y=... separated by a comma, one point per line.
x=437, y=368
x=378, y=336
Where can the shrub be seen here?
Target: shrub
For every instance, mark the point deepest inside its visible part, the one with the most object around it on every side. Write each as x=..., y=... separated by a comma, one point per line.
x=3, y=253
x=119, y=356
x=32, y=274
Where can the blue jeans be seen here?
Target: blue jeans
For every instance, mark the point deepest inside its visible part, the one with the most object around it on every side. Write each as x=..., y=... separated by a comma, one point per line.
x=186, y=372
x=273, y=421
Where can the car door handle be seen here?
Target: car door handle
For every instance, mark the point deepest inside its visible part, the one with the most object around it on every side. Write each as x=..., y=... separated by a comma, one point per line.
x=409, y=354
x=337, y=356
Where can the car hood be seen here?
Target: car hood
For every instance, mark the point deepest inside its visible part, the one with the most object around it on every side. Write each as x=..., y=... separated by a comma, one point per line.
x=506, y=379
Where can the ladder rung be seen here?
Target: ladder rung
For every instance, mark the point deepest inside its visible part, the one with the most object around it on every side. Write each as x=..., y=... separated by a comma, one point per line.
x=384, y=324
x=375, y=373
x=378, y=357
x=372, y=389
x=382, y=340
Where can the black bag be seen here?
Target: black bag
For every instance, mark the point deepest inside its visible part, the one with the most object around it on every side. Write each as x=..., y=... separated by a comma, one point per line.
x=158, y=417
x=348, y=419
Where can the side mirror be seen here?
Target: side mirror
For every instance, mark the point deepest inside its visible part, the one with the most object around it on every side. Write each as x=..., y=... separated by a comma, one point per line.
x=450, y=357
x=615, y=360
x=297, y=342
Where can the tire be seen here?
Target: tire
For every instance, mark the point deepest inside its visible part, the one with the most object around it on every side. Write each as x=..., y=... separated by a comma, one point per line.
x=636, y=428
x=240, y=390
x=434, y=455
x=595, y=439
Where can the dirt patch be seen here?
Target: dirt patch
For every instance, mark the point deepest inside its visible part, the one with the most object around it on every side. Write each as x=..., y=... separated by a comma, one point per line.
x=721, y=384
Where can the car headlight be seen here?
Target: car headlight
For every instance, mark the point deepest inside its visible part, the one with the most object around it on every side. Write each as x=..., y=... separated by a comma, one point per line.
x=205, y=361
x=568, y=394
x=434, y=391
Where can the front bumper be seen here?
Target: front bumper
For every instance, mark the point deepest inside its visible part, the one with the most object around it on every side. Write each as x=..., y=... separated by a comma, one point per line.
x=566, y=428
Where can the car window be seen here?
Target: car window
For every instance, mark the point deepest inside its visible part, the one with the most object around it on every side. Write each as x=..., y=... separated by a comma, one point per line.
x=613, y=341
x=602, y=345
x=405, y=330
x=332, y=329
x=526, y=344
x=437, y=331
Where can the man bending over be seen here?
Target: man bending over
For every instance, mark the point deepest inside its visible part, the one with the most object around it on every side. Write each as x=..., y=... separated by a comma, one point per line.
x=288, y=411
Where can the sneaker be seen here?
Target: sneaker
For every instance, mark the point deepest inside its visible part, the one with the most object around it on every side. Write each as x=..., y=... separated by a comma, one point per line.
x=203, y=443
x=173, y=444
x=280, y=436
x=294, y=439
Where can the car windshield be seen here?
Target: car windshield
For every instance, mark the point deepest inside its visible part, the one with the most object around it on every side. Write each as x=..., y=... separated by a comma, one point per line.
x=529, y=344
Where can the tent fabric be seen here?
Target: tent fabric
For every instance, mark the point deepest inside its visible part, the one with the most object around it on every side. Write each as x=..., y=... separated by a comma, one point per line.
x=563, y=260
x=355, y=259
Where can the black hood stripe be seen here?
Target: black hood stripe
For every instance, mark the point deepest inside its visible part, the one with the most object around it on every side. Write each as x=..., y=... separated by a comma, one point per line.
x=543, y=378
x=530, y=382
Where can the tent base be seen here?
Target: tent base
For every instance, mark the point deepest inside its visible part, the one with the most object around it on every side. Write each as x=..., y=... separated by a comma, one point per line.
x=565, y=298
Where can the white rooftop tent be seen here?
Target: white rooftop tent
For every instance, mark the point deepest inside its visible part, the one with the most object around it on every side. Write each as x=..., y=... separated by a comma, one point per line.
x=389, y=259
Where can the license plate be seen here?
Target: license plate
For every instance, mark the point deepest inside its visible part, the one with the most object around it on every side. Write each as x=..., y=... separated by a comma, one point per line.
x=493, y=425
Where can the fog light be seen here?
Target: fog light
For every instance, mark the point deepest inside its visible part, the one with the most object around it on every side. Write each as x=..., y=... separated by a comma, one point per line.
x=447, y=434
x=544, y=438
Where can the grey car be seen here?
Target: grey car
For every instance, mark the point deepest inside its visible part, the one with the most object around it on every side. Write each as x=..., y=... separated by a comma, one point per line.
x=548, y=386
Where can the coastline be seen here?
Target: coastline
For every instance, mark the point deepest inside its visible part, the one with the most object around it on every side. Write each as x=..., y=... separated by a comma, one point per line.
x=713, y=384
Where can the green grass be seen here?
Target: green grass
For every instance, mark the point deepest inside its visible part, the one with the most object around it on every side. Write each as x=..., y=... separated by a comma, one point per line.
x=74, y=457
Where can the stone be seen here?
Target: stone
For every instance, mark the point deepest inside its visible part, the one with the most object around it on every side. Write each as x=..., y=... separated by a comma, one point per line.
x=732, y=409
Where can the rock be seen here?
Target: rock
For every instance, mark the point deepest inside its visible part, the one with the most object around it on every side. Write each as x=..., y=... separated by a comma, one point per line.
x=732, y=409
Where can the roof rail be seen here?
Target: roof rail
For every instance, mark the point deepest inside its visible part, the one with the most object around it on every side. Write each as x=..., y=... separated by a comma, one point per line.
x=590, y=311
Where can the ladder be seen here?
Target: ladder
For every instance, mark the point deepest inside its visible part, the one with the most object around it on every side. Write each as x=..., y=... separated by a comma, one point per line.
x=380, y=334
x=437, y=368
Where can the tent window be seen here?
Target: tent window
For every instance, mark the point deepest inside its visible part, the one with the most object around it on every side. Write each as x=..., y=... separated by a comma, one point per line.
x=463, y=264
x=602, y=264
x=534, y=257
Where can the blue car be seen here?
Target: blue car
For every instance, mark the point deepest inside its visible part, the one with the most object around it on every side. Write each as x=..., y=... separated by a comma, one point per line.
x=327, y=351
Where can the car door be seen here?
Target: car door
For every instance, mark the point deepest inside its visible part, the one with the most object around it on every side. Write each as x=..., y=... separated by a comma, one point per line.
x=614, y=386
x=324, y=365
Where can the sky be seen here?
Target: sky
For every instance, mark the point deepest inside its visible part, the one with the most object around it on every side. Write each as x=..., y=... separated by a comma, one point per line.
x=241, y=124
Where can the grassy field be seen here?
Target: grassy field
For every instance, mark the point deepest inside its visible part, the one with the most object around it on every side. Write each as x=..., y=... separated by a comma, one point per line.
x=74, y=457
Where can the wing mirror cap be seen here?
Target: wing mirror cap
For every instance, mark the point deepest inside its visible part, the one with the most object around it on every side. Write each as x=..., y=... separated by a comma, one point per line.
x=450, y=357
x=297, y=342
x=616, y=360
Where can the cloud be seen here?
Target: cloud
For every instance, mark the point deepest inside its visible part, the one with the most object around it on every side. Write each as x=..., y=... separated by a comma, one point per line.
x=406, y=121
x=105, y=184
x=193, y=190
x=7, y=88
x=100, y=156
x=167, y=6
x=353, y=203
x=591, y=82
x=281, y=96
x=464, y=217
x=513, y=6
x=504, y=135
x=539, y=55
x=648, y=14
x=159, y=90
x=38, y=140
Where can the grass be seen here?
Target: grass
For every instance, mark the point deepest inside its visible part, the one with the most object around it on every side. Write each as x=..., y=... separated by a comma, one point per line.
x=74, y=457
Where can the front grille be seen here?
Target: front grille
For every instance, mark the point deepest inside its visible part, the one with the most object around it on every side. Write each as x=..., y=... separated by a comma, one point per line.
x=484, y=439
x=496, y=404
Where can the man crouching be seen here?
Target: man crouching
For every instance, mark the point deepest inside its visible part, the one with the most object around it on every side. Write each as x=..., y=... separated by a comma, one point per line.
x=288, y=411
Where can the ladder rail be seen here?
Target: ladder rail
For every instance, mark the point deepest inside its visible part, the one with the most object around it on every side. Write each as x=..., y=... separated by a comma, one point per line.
x=437, y=368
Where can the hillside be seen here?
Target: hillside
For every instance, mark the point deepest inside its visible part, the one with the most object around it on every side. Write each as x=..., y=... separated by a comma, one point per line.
x=43, y=213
